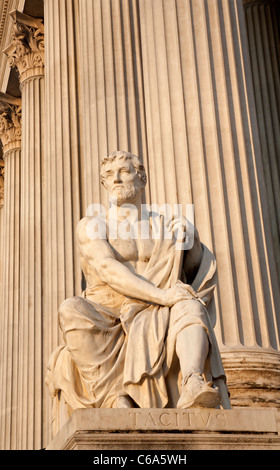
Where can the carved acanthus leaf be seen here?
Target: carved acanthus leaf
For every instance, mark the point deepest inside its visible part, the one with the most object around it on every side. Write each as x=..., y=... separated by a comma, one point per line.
x=26, y=51
x=10, y=125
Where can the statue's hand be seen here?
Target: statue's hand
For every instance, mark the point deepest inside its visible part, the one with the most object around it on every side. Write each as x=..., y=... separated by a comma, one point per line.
x=181, y=226
x=177, y=293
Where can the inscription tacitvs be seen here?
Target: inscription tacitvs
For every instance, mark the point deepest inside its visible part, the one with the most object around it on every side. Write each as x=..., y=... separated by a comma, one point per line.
x=180, y=419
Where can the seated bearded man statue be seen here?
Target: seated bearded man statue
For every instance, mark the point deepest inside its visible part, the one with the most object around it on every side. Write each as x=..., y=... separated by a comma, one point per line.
x=141, y=335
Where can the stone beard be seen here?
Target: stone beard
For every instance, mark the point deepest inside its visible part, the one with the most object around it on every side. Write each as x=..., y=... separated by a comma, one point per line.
x=141, y=335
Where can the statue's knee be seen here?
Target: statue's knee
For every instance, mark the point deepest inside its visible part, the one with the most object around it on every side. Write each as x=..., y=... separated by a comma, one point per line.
x=198, y=310
x=197, y=306
x=66, y=308
x=192, y=307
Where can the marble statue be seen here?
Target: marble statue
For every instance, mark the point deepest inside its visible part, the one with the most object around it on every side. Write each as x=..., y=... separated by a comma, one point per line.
x=141, y=335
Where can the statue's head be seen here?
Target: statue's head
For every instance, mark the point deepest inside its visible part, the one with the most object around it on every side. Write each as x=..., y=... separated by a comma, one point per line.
x=123, y=175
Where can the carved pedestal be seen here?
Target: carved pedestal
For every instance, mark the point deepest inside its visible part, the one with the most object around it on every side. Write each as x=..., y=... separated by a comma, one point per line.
x=169, y=429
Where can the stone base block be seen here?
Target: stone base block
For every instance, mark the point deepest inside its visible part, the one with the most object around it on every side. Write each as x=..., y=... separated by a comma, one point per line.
x=253, y=378
x=170, y=429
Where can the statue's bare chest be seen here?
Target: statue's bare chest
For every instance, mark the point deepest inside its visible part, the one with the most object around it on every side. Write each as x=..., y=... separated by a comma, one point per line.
x=132, y=247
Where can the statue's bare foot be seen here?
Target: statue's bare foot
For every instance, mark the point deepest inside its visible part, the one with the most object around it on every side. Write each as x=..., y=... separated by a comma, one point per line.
x=197, y=393
x=122, y=402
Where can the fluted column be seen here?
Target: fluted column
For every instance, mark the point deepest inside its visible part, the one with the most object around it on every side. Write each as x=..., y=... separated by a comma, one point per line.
x=26, y=53
x=2, y=173
x=10, y=135
x=262, y=17
x=2, y=335
x=63, y=150
x=172, y=80
x=2, y=189
x=113, y=113
x=203, y=147
x=2, y=321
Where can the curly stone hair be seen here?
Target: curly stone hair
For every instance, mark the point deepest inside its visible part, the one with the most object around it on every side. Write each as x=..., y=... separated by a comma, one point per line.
x=110, y=157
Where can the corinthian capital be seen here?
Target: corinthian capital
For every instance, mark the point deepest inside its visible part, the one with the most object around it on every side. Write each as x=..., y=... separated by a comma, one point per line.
x=10, y=122
x=26, y=51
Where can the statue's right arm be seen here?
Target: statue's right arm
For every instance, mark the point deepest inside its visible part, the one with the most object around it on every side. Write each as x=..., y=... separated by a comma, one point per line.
x=101, y=258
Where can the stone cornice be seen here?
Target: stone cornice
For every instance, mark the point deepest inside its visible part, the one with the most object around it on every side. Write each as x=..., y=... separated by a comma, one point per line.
x=10, y=122
x=3, y=14
x=26, y=51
